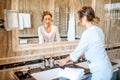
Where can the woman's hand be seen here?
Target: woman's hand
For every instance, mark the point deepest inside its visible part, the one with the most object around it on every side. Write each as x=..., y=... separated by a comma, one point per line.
x=64, y=61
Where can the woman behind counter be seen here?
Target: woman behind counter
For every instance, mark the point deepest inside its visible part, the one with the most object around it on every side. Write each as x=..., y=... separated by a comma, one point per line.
x=92, y=46
x=48, y=32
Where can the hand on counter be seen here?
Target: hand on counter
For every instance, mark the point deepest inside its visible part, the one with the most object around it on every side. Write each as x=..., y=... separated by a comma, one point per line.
x=64, y=61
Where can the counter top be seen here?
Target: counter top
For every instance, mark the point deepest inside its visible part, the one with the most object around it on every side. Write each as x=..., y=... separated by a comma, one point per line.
x=115, y=67
x=116, y=61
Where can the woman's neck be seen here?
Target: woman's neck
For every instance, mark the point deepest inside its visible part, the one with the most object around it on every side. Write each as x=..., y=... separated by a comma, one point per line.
x=89, y=24
x=48, y=28
x=47, y=25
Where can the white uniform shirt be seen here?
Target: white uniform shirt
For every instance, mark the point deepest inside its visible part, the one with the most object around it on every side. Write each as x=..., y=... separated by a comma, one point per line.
x=45, y=37
x=92, y=45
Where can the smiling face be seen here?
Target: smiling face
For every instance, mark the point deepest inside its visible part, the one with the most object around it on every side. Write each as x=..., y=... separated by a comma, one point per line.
x=47, y=20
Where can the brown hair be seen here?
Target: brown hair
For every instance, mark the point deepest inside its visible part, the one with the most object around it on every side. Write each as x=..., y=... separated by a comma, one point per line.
x=45, y=13
x=89, y=13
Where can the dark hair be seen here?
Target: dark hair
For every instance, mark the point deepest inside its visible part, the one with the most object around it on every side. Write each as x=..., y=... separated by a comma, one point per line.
x=45, y=13
x=89, y=13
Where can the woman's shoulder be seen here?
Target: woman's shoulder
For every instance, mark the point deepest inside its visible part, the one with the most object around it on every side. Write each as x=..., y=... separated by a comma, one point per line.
x=88, y=32
x=55, y=27
x=41, y=27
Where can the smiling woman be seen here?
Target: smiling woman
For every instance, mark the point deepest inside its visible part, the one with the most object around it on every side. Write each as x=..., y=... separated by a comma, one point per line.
x=48, y=32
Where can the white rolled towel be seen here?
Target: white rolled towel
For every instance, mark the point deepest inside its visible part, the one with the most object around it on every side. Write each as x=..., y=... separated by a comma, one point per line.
x=71, y=28
x=72, y=73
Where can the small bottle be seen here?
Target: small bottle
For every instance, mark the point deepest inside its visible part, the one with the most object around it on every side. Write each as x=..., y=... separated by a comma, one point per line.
x=51, y=62
x=47, y=63
x=43, y=65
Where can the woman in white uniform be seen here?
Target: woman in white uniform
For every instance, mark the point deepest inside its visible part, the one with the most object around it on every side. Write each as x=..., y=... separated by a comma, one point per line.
x=92, y=46
x=48, y=32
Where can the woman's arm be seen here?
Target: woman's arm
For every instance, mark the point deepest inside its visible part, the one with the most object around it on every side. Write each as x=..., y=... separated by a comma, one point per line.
x=67, y=59
x=79, y=50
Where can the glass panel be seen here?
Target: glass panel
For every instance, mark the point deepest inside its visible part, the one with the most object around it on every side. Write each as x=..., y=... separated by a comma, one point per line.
x=60, y=11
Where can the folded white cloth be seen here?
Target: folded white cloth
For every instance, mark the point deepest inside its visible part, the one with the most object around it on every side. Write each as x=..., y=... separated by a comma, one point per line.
x=47, y=74
x=27, y=20
x=24, y=20
x=72, y=73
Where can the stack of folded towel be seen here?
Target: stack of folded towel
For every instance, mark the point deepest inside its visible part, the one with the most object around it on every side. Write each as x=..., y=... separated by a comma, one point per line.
x=72, y=73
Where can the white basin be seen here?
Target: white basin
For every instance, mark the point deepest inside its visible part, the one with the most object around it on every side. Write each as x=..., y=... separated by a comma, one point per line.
x=47, y=75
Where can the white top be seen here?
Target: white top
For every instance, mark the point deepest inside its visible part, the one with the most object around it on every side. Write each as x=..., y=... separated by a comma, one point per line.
x=45, y=37
x=92, y=45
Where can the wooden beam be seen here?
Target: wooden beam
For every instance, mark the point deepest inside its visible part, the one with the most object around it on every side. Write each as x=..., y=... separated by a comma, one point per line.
x=15, y=33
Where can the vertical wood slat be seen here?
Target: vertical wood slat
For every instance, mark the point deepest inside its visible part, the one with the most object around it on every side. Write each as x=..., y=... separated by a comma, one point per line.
x=3, y=43
x=15, y=33
x=3, y=32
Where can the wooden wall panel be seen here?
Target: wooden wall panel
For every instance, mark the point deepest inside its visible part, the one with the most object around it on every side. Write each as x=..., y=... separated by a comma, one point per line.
x=3, y=32
x=3, y=43
x=2, y=7
x=8, y=39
